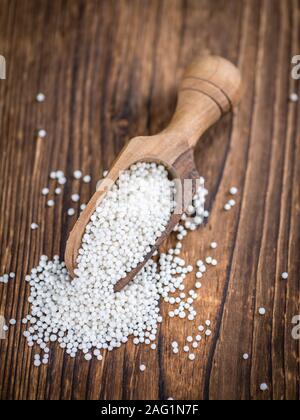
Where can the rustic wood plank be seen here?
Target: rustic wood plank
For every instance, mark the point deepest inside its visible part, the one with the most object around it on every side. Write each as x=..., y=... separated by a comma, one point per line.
x=109, y=70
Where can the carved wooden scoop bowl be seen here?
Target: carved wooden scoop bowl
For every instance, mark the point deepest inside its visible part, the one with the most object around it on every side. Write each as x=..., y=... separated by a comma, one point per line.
x=210, y=87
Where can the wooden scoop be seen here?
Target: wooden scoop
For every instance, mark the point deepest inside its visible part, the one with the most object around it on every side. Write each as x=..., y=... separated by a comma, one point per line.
x=210, y=87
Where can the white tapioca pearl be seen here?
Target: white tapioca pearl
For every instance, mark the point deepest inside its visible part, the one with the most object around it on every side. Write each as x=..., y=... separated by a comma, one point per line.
x=86, y=179
x=71, y=212
x=40, y=97
x=263, y=387
x=262, y=311
x=42, y=133
x=75, y=197
x=294, y=97
x=77, y=174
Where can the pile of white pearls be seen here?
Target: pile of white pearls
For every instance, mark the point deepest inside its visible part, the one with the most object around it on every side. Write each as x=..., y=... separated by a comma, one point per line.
x=86, y=314
x=133, y=214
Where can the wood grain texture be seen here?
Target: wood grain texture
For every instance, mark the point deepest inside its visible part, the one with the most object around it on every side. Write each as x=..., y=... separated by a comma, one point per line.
x=110, y=71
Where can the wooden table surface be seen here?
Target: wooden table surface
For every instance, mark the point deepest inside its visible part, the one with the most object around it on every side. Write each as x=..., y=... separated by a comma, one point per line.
x=109, y=70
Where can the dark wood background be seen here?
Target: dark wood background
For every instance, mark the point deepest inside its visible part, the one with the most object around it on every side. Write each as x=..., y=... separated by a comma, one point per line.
x=109, y=70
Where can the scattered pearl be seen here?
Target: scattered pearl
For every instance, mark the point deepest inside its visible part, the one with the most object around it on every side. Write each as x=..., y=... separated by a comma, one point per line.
x=57, y=191
x=52, y=175
x=186, y=349
x=75, y=197
x=233, y=190
x=45, y=191
x=82, y=206
x=50, y=203
x=142, y=368
x=42, y=133
x=192, y=356
x=262, y=311
x=62, y=180
x=60, y=174
x=246, y=356
x=71, y=212
x=5, y=278
x=264, y=387
x=213, y=245
x=40, y=97
x=208, y=333
x=227, y=207
x=77, y=174
x=294, y=97
x=34, y=226
x=12, y=322
x=189, y=339
x=285, y=276
x=86, y=179
x=12, y=275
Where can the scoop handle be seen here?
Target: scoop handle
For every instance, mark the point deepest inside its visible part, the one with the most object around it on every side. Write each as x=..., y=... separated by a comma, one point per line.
x=211, y=86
